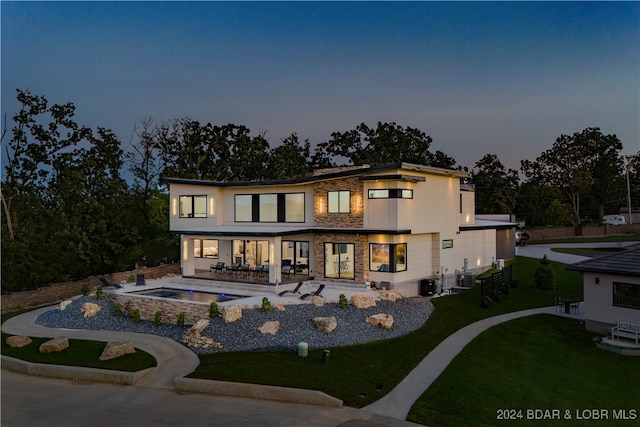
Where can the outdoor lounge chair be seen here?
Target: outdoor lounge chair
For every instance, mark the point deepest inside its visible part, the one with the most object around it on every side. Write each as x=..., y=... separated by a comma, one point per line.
x=295, y=291
x=314, y=294
x=107, y=284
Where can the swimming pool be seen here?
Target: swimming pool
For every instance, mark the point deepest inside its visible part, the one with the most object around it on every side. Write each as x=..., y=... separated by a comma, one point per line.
x=188, y=295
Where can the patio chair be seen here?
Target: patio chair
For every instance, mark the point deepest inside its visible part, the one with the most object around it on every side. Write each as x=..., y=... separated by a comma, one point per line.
x=244, y=269
x=140, y=280
x=314, y=294
x=234, y=268
x=286, y=269
x=575, y=307
x=217, y=268
x=258, y=270
x=295, y=291
x=107, y=284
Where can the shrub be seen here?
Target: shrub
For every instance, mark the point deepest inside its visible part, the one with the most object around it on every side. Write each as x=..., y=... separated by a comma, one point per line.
x=213, y=309
x=180, y=321
x=117, y=309
x=131, y=278
x=99, y=293
x=136, y=316
x=344, y=303
x=85, y=290
x=266, y=305
x=543, y=277
x=158, y=318
x=485, y=302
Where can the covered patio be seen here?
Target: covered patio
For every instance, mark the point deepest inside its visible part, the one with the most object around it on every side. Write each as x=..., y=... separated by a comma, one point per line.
x=250, y=276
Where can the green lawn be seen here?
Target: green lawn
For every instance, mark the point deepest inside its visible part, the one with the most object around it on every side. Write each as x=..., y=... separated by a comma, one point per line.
x=360, y=375
x=80, y=353
x=536, y=362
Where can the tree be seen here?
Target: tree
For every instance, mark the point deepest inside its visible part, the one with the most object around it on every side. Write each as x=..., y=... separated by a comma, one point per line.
x=576, y=165
x=144, y=164
x=556, y=213
x=387, y=143
x=543, y=277
x=188, y=149
x=289, y=160
x=495, y=186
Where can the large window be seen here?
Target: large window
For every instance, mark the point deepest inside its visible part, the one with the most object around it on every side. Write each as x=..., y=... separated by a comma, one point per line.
x=243, y=208
x=294, y=207
x=252, y=252
x=388, y=257
x=276, y=207
x=626, y=295
x=268, y=207
x=390, y=193
x=205, y=248
x=339, y=260
x=339, y=201
x=193, y=206
x=296, y=253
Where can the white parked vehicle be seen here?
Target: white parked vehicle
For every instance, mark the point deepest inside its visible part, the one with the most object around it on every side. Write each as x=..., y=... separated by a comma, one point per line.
x=614, y=220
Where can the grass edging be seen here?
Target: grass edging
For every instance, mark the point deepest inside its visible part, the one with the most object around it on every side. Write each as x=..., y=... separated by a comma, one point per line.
x=257, y=391
x=74, y=372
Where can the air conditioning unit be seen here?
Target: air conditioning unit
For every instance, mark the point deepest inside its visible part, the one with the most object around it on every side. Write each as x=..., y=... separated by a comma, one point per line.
x=500, y=264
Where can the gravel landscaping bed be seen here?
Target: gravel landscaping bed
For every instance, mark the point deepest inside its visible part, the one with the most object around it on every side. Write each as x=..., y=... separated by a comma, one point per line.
x=296, y=324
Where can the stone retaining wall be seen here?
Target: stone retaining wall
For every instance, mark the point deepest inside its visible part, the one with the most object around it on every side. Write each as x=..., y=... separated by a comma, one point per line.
x=57, y=292
x=170, y=309
x=545, y=233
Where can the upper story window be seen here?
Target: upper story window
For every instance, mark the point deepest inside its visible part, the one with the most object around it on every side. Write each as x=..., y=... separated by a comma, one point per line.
x=390, y=193
x=193, y=206
x=273, y=207
x=339, y=201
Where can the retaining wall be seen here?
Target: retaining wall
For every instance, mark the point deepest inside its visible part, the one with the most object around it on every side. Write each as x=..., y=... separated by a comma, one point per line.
x=170, y=309
x=545, y=233
x=57, y=292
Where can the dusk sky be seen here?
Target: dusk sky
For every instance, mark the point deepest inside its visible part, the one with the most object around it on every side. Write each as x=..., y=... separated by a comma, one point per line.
x=503, y=78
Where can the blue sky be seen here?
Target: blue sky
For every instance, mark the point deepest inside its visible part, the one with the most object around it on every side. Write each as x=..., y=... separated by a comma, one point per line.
x=504, y=78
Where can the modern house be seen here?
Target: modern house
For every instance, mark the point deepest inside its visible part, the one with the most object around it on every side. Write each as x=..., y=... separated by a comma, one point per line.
x=611, y=289
x=393, y=225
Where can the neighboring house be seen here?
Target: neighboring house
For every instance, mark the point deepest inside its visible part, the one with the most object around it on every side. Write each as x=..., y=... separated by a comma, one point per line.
x=611, y=289
x=396, y=224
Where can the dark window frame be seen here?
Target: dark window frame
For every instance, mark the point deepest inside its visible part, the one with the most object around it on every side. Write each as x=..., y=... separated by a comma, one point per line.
x=626, y=301
x=392, y=264
x=339, y=252
x=193, y=205
x=340, y=207
x=281, y=207
x=392, y=193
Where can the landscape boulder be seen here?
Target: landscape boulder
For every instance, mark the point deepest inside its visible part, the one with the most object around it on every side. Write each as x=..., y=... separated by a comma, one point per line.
x=271, y=327
x=391, y=295
x=325, y=324
x=279, y=306
x=115, y=349
x=231, y=313
x=384, y=321
x=194, y=338
x=318, y=301
x=18, y=341
x=64, y=304
x=54, y=345
x=362, y=301
x=90, y=309
x=198, y=327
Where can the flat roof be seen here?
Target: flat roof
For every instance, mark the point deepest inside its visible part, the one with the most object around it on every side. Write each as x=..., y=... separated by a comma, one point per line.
x=331, y=175
x=262, y=231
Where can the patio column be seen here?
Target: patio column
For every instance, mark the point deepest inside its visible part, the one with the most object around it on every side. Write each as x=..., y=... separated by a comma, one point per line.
x=186, y=257
x=275, y=260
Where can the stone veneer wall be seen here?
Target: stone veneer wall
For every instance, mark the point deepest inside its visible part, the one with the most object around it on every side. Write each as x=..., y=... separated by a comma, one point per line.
x=361, y=255
x=57, y=292
x=354, y=219
x=170, y=309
